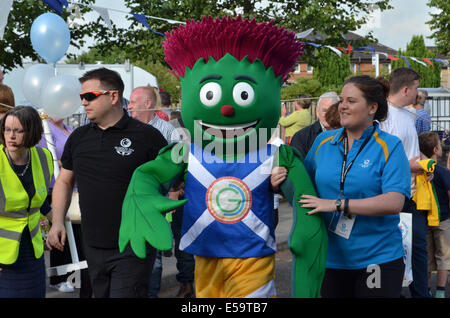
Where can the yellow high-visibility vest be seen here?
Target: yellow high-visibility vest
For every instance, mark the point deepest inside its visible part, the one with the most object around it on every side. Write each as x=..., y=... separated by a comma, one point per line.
x=16, y=209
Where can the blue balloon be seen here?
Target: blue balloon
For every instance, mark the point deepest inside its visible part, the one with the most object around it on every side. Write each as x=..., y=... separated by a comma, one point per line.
x=50, y=37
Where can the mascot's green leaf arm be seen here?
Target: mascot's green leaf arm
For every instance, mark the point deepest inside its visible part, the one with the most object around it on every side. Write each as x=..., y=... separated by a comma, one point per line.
x=144, y=203
x=308, y=239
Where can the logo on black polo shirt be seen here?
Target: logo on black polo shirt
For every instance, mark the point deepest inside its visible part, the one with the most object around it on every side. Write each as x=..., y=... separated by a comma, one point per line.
x=124, y=149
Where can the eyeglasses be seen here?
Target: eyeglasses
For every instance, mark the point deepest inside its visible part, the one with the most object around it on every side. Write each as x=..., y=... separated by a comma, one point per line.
x=15, y=131
x=90, y=96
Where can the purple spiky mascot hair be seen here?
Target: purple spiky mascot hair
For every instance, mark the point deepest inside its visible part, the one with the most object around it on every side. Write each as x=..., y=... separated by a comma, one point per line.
x=275, y=47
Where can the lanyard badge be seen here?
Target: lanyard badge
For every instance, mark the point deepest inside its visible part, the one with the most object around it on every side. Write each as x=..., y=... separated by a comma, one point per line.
x=345, y=223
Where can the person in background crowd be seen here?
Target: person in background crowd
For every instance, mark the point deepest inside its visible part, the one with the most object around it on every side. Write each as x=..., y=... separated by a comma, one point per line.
x=423, y=119
x=166, y=101
x=304, y=139
x=438, y=237
x=401, y=123
x=299, y=119
x=6, y=99
x=164, y=112
x=448, y=160
x=143, y=102
x=102, y=157
x=332, y=116
x=362, y=178
x=26, y=172
x=185, y=261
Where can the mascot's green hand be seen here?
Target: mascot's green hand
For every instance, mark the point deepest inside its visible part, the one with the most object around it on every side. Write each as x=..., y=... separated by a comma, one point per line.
x=142, y=210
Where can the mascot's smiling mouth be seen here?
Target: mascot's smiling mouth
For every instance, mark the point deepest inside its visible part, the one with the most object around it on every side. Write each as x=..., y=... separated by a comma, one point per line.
x=228, y=131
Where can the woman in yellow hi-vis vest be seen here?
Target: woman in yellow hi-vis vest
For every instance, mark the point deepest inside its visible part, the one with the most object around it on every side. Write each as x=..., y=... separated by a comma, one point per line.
x=25, y=174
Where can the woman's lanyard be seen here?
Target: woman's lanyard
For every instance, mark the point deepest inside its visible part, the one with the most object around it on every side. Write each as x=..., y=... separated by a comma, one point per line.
x=345, y=170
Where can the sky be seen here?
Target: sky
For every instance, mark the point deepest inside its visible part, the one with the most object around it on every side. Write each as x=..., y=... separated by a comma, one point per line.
x=393, y=28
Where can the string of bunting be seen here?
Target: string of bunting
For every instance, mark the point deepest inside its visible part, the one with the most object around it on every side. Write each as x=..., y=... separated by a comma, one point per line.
x=349, y=49
x=103, y=12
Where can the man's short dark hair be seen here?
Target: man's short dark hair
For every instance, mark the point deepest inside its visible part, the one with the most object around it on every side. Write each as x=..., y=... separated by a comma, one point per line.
x=165, y=98
x=401, y=77
x=31, y=122
x=427, y=141
x=109, y=79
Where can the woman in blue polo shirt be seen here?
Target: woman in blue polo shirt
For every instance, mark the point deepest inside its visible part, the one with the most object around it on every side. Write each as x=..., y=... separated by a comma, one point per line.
x=362, y=177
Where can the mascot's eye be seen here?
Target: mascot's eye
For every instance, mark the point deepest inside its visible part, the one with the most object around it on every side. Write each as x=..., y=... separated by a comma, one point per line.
x=210, y=94
x=243, y=94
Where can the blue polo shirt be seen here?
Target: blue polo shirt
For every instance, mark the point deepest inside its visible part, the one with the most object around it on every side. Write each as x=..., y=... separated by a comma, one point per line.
x=381, y=167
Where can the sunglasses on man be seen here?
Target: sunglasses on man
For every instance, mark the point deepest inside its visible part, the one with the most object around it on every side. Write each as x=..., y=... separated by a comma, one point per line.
x=90, y=96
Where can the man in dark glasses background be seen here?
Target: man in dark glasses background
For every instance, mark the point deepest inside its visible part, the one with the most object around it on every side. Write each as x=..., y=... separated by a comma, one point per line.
x=102, y=156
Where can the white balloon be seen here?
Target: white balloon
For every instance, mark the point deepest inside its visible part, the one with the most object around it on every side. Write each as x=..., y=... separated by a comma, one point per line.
x=61, y=96
x=34, y=80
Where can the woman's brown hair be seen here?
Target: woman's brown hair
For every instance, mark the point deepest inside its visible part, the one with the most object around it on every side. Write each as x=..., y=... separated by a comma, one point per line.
x=31, y=122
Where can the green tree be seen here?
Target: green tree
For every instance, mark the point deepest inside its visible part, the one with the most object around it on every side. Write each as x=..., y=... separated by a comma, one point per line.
x=309, y=86
x=16, y=43
x=302, y=85
x=139, y=43
x=331, y=69
x=439, y=24
x=429, y=76
x=166, y=80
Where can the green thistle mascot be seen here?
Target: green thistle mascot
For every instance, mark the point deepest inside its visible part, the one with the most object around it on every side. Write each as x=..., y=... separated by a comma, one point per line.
x=231, y=72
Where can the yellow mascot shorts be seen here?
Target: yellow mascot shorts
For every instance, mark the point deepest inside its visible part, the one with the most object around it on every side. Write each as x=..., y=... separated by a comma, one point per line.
x=235, y=277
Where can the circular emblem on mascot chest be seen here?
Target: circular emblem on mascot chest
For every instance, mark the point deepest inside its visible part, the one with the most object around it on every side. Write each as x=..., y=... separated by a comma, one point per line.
x=228, y=199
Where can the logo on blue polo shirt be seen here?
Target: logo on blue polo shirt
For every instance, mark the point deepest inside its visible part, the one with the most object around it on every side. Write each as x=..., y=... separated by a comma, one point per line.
x=365, y=164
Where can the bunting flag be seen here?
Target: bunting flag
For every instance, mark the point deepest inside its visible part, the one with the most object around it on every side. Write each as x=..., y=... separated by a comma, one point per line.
x=428, y=61
x=57, y=5
x=445, y=62
x=335, y=50
x=406, y=60
x=313, y=44
x=104, y=14
x=5, y=8
x=339, y=50
x=143, y=20
x=365, y=48
x=304, y=34
x=345, y=50
x=393, y=58
x=416, y=60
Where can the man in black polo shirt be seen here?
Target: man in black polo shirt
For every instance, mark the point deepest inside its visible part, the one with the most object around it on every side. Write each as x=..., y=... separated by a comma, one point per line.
x=101, y=158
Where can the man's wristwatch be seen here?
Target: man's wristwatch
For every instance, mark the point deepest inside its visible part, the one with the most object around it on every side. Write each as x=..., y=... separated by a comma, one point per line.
x=338, y=205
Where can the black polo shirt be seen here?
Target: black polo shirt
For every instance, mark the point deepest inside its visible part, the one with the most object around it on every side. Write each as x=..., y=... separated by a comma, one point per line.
x=103, y=162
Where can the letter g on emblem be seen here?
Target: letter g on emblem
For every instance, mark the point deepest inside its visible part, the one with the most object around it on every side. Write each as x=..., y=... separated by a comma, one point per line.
x=228, y=199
